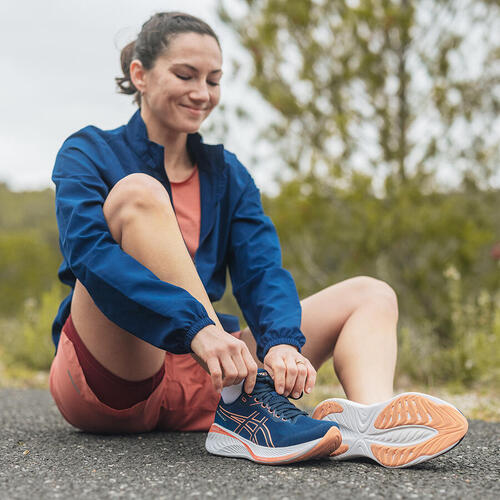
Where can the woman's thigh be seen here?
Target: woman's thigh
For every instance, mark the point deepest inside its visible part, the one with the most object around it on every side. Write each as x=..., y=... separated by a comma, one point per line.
x=122, y=353
x=325, y=313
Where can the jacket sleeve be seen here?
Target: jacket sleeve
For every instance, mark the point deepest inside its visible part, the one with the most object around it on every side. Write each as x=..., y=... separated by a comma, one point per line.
x=127, y=292
x=265, y=292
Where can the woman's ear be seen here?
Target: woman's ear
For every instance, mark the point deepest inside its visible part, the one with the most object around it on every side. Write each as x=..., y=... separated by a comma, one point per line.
x=137, y=75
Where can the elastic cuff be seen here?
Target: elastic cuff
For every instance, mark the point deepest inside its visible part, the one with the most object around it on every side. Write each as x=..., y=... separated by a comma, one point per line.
x=286, y=341
x=195, y=329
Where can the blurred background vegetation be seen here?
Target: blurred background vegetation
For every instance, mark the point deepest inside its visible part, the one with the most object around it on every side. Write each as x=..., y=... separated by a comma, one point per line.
x=385, y=121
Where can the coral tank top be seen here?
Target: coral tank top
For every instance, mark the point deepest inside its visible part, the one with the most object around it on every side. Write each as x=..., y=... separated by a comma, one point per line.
x=186, y=201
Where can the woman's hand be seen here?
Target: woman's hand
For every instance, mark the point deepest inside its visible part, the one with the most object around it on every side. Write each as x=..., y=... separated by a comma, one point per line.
x=226, y=358
x=292, y=372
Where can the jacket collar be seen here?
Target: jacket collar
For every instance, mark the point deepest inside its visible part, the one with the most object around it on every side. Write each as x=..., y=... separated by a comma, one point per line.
x=207, y=157
x=137, y=137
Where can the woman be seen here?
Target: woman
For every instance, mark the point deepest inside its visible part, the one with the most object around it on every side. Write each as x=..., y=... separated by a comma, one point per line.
x=150, y=218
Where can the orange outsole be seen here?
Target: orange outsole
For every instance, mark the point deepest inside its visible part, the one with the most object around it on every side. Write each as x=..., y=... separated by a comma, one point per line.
x=326, y=408
x=412, y=409
x=328, y=444
x=450, y=424
x=341, y=449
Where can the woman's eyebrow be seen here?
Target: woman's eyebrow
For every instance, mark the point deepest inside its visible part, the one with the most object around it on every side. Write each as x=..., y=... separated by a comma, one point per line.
x=195, y=69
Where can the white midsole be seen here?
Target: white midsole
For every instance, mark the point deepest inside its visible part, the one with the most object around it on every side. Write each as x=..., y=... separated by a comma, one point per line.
x=233, y=445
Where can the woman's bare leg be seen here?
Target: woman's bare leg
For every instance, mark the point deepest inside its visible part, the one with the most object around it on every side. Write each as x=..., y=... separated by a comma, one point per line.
x=355, y=321
x=141, y=219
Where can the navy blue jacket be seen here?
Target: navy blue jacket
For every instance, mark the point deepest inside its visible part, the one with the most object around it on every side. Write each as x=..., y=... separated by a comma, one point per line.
x=234, y=232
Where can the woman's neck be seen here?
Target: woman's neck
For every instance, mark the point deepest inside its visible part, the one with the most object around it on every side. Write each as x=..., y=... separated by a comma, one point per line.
x=177, y=162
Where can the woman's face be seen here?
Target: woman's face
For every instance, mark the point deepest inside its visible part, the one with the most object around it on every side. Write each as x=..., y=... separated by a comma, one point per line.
x=182, y=87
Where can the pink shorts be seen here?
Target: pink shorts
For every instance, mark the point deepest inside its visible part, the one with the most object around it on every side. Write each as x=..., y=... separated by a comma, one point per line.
x=184, y=400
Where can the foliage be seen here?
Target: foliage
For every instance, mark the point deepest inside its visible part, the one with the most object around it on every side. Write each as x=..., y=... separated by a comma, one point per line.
x=472, y=355
x=28, y=267
x=474, y=351
x=29, y=211
x=410, y=240
x=26, y=338
x=29, y=289
x=392, y=87
x=29, y=254
x=381, y=106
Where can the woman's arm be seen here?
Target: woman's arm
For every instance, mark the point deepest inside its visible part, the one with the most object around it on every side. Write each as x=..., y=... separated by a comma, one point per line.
x=127, y=292
x=264, y=290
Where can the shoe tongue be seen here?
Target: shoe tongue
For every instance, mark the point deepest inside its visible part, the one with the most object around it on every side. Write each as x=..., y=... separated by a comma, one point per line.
x=263, y=379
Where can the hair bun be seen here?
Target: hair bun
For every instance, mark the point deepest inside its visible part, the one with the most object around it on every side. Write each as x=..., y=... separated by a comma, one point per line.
x=124, y=82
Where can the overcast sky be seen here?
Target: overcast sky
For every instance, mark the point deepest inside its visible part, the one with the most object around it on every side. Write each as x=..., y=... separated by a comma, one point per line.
x=58, y=61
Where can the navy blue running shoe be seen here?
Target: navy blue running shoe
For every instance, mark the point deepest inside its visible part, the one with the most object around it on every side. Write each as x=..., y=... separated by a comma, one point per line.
x=267, y=428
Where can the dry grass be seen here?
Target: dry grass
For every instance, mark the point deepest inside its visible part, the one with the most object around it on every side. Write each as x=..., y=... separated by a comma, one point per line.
x=21, y=377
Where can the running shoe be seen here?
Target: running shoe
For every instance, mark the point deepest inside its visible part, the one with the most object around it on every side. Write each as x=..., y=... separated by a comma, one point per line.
x=403, y=431
x=267, y=428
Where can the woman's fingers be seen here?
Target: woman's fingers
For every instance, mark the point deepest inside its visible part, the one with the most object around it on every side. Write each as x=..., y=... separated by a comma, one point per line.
x=300, y=380
x=229, y=371
x=225, y=357
x=288, y=376
x=311, y=377
x=215, y=371
x=277, y=370
x=252, y=370
x=241, y=367
x=291, y=374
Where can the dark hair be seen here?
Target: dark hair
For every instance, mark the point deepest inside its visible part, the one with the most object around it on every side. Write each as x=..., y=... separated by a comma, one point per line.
x=153, y=40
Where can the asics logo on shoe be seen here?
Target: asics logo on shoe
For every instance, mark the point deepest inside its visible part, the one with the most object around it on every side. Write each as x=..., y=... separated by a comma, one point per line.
x=251, y=427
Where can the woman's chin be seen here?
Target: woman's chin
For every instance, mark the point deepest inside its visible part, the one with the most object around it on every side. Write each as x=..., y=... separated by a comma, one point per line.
x=179, y=126
x=191, y=129
x=181, y=130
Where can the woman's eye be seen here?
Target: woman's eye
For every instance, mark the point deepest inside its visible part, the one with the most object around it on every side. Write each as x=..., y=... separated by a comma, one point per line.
x=187, y=77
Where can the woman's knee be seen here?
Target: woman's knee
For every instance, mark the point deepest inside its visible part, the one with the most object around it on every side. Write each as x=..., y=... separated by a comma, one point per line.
x=378, y=293
x=133, y=195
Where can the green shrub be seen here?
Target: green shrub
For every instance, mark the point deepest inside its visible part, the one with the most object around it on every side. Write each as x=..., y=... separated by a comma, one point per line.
x=470, y=355
x=26, y=340
x=28, y=268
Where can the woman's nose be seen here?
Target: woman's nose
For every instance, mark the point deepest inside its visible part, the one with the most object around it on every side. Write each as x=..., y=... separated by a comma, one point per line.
x=200, y=93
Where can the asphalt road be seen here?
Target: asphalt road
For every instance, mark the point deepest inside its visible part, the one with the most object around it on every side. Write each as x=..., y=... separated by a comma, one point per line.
x=41, y=456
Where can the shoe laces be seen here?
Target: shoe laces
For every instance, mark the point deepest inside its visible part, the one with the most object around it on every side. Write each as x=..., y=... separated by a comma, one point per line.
x=276, y=403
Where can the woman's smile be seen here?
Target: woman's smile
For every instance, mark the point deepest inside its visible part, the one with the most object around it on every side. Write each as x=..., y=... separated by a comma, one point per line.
x=196, y=111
